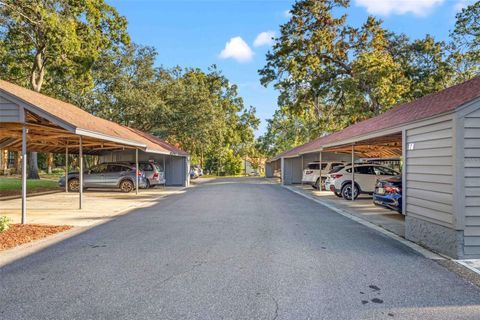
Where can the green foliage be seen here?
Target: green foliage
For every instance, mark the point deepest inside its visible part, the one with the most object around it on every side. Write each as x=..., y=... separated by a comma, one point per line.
x=4, y=223
x=466, y=42
x=56, y=41
x=329, y=70
x=199, y=111
x=224, y=162
x=330, y=74
x=80, y=51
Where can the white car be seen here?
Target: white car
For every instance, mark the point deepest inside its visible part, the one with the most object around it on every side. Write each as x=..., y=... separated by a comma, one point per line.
x=311, y=175
x=331, y=176
x=366, y=176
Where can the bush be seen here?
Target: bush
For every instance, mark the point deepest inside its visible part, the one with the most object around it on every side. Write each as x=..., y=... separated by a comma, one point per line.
x=58, y=170
x=4, y=223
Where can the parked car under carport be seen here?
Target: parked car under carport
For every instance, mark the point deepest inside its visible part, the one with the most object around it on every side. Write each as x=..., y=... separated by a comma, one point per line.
x=106, y=175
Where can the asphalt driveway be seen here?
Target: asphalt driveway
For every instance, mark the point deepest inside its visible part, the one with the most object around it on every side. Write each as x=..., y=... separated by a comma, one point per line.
x=233, y=249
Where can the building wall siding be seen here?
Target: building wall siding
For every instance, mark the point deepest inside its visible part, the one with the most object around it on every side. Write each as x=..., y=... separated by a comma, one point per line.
x=292, y=170
x=471, y=175
x=429, y=167
x=9, y=111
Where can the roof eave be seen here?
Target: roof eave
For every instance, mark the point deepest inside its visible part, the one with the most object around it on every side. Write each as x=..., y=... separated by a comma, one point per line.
x=98, y=135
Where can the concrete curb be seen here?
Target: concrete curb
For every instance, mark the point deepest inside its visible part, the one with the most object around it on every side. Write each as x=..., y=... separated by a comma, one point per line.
x=30, y=195
x=421, y=250
x=471, y=264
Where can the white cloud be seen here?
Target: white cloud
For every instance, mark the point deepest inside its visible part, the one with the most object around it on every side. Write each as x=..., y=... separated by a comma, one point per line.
x=461, y=4
x=264, y=39
x=387, y=7
x=237, y=49
x=287, y=13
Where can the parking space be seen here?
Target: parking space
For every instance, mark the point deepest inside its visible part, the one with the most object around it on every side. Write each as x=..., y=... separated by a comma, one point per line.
x=100, y=205
x=362, y=207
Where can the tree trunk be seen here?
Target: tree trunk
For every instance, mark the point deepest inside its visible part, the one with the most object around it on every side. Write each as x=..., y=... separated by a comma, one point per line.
x=49, y=163
x=36, y=80
x=4, y=161
x=18, y=163
x=33, y=166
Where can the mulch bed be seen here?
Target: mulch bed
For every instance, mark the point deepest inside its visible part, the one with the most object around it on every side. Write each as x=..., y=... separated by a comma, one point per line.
x=19, y=234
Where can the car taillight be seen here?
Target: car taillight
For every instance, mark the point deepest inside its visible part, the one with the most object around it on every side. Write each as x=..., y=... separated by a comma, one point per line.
x=139, y=173
x=155, y=175
x=390, y=189
x=336, y=176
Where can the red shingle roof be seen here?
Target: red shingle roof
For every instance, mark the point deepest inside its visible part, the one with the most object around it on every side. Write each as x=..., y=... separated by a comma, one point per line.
x=431, y=105
x=156, y=144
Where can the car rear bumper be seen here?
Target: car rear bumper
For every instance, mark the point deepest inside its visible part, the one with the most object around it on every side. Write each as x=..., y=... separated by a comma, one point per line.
x=390, y=201
x=309, y=179
x=156, y=182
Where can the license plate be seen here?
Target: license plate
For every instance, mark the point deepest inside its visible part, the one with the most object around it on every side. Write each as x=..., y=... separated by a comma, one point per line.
x=380, y=190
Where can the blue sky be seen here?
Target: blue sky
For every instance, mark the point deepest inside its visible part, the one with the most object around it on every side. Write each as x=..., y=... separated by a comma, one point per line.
x=197, y=33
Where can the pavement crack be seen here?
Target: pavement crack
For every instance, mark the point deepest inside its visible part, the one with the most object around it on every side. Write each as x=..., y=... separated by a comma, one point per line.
x=275, y=315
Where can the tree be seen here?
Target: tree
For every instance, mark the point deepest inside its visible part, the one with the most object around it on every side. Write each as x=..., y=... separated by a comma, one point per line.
x=335, y=72
x=286, y=130
x=466, y=42
x=330, y=74
x=51, y=45
x=127, y=88
x=203, y=114
x=425, y=63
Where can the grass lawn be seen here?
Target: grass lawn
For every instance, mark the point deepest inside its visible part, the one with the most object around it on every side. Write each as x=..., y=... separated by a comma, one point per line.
x=13, y=185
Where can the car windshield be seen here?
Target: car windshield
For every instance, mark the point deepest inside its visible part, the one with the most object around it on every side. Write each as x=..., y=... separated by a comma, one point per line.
x=336, y=169
x=145, y=167
x=315, y=166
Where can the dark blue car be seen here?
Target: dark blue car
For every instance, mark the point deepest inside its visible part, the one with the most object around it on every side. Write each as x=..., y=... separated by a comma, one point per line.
x=388, y=193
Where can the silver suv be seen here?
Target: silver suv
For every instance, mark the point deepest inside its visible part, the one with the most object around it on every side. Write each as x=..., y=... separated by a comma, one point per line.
x=154, y=174
x=106, y=175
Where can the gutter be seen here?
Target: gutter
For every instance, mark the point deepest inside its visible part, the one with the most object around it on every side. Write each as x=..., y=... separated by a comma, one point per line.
x=97, y=135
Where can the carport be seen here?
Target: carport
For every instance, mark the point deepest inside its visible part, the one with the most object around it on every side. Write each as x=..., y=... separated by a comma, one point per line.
x=438, y=138
x=174, y=161
x=30, y=121
x=272, y=167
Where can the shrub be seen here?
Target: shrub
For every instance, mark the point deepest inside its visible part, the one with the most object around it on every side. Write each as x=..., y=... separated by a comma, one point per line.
x=4, y=223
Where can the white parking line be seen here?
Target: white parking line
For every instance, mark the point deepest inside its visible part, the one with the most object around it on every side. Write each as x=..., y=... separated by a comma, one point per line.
x=421, y=250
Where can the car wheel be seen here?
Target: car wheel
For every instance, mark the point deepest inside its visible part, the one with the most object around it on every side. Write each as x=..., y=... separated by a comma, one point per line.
x=126, y=186
x=347, y=192
x=147, y=184
x=73, y=185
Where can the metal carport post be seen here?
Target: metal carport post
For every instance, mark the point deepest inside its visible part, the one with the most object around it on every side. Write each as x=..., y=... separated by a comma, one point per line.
x=136, y=171
x=164, y=173
x=320, y=167
x=353, y=172
x=66, y=169
x=24, y=174
x=80, y=160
